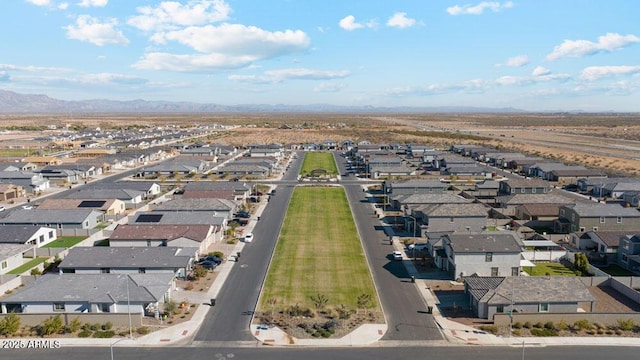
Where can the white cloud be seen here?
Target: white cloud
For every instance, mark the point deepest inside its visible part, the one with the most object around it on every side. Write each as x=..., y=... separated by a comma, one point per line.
x=400, y=20
x=349, y=23
x=277, y=76
x=39, y=2
x=63, y=6
x=516, y=61
x=578, y=48
x=237, y=40
x=93, y=3
x=478, y=9
x=91, y=30
x=172, y=15
x=596, y=72
x=540, y=71
x=513, y=80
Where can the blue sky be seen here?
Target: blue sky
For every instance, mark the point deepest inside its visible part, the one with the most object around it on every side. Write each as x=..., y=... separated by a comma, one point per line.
x=535, y=55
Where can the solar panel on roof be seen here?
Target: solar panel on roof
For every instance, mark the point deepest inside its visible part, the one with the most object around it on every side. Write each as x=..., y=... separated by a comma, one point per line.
x=92, y=204
x=149, y=218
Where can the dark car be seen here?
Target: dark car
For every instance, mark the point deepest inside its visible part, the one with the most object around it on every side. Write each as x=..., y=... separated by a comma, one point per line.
x=243, y=214
x=213, y=258
x=207, y=264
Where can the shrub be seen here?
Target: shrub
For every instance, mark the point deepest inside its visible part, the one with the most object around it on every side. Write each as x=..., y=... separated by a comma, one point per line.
x=543, y=332
x=516, y=332
x=489, y=328
x=51, y=325
x=562, y=326
x=73, y=326
x=143, y=330
x=94, y=327
x=549, y=325
x=626, y=324
x=527, y=325
x=517, y=325
x=582, y=325
x=538, y=325
x=107, y=326
x=10, y=324
x=104, y=334
x=85, y=333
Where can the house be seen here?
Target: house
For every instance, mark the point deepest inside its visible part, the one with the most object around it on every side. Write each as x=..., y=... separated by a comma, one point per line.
x=187, y=166
x=406, y=202
x=32, y=182
x=469, y=172
x=544, y=170
x=128, y=260
x=600, y=246
x=131, y=198
x=17, y=166
x=596, y=217
x=222, y=207
x=270, y=150
x=186, y=217
x=523, y=186
x=58, y=219
x=571, y=176
x=110, y=207
x=378, y=171
x=414, y=186
x=37, y=236
x=238, y=190
x=527, y=294
x=454, y=217
x=629, y=253
x=507, y=204
x=11, y=191
x=485, y=191
x=94, y=293
x=538, y=212
x=199, y=236
x=243, y=170
x=483, y=254
x=609, y=187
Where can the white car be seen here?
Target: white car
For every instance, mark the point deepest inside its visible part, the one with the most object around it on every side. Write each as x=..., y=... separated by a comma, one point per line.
x=27, y=207
x=419, y=247
x=248, y=238
x=397, y=255
x=2, y=208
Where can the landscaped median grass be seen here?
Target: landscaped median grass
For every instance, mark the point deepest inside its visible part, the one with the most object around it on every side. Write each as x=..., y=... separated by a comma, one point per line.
x=319, y=160
x=319, y=256
x=65, y=242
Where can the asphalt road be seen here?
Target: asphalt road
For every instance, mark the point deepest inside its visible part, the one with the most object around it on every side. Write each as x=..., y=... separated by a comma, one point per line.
x=269, y=353
x=230, y=318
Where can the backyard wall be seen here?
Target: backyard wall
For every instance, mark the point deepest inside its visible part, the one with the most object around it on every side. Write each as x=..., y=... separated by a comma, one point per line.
x=503, y=320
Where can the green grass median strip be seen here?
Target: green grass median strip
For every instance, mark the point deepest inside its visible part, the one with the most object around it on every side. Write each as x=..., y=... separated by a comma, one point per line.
x=319, y=160
x=318, y=253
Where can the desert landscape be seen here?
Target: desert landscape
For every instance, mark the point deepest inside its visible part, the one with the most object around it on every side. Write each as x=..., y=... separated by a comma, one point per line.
x=604, y=141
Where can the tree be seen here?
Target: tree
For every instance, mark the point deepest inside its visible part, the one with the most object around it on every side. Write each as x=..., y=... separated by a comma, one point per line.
x=10, y=324
x=363, y=300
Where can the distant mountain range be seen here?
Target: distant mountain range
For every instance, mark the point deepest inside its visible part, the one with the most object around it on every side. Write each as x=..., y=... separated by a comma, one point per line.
x=15, y=103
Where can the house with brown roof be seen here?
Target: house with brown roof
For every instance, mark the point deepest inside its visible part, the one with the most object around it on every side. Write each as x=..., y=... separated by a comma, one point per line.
x=537, y=212
x=601, y=246
x=199, y=236
x=571, y=176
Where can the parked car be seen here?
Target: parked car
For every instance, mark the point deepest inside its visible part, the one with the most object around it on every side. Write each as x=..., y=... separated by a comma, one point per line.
x=243, y=214
x=396, y=255
x=27, y=207
x=208, y=264
x=2, y=208
x=213, y=258
x=419, y=247
x=248, y=237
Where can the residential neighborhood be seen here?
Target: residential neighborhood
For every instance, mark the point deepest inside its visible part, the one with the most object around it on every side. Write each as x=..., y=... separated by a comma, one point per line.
x=474, y=218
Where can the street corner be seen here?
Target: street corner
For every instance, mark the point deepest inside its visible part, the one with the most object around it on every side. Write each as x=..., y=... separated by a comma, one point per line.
x=271, y=335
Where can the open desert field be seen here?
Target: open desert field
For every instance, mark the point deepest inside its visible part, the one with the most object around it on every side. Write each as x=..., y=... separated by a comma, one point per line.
x=607, y=141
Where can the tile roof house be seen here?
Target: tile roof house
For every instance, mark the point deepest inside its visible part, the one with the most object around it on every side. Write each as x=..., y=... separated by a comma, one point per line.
x=527, y=294
x=453, y=217
x=180, y=218
x=137, y=294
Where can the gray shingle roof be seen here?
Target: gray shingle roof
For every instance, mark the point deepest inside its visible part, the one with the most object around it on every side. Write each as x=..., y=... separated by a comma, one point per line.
x=94, y=288
x=44, y=216
x=592, y=209
x=196, y=205
x=127, y=257
x=497, y=242
x=17, y=234
x=538, y=289
x=464, y=210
